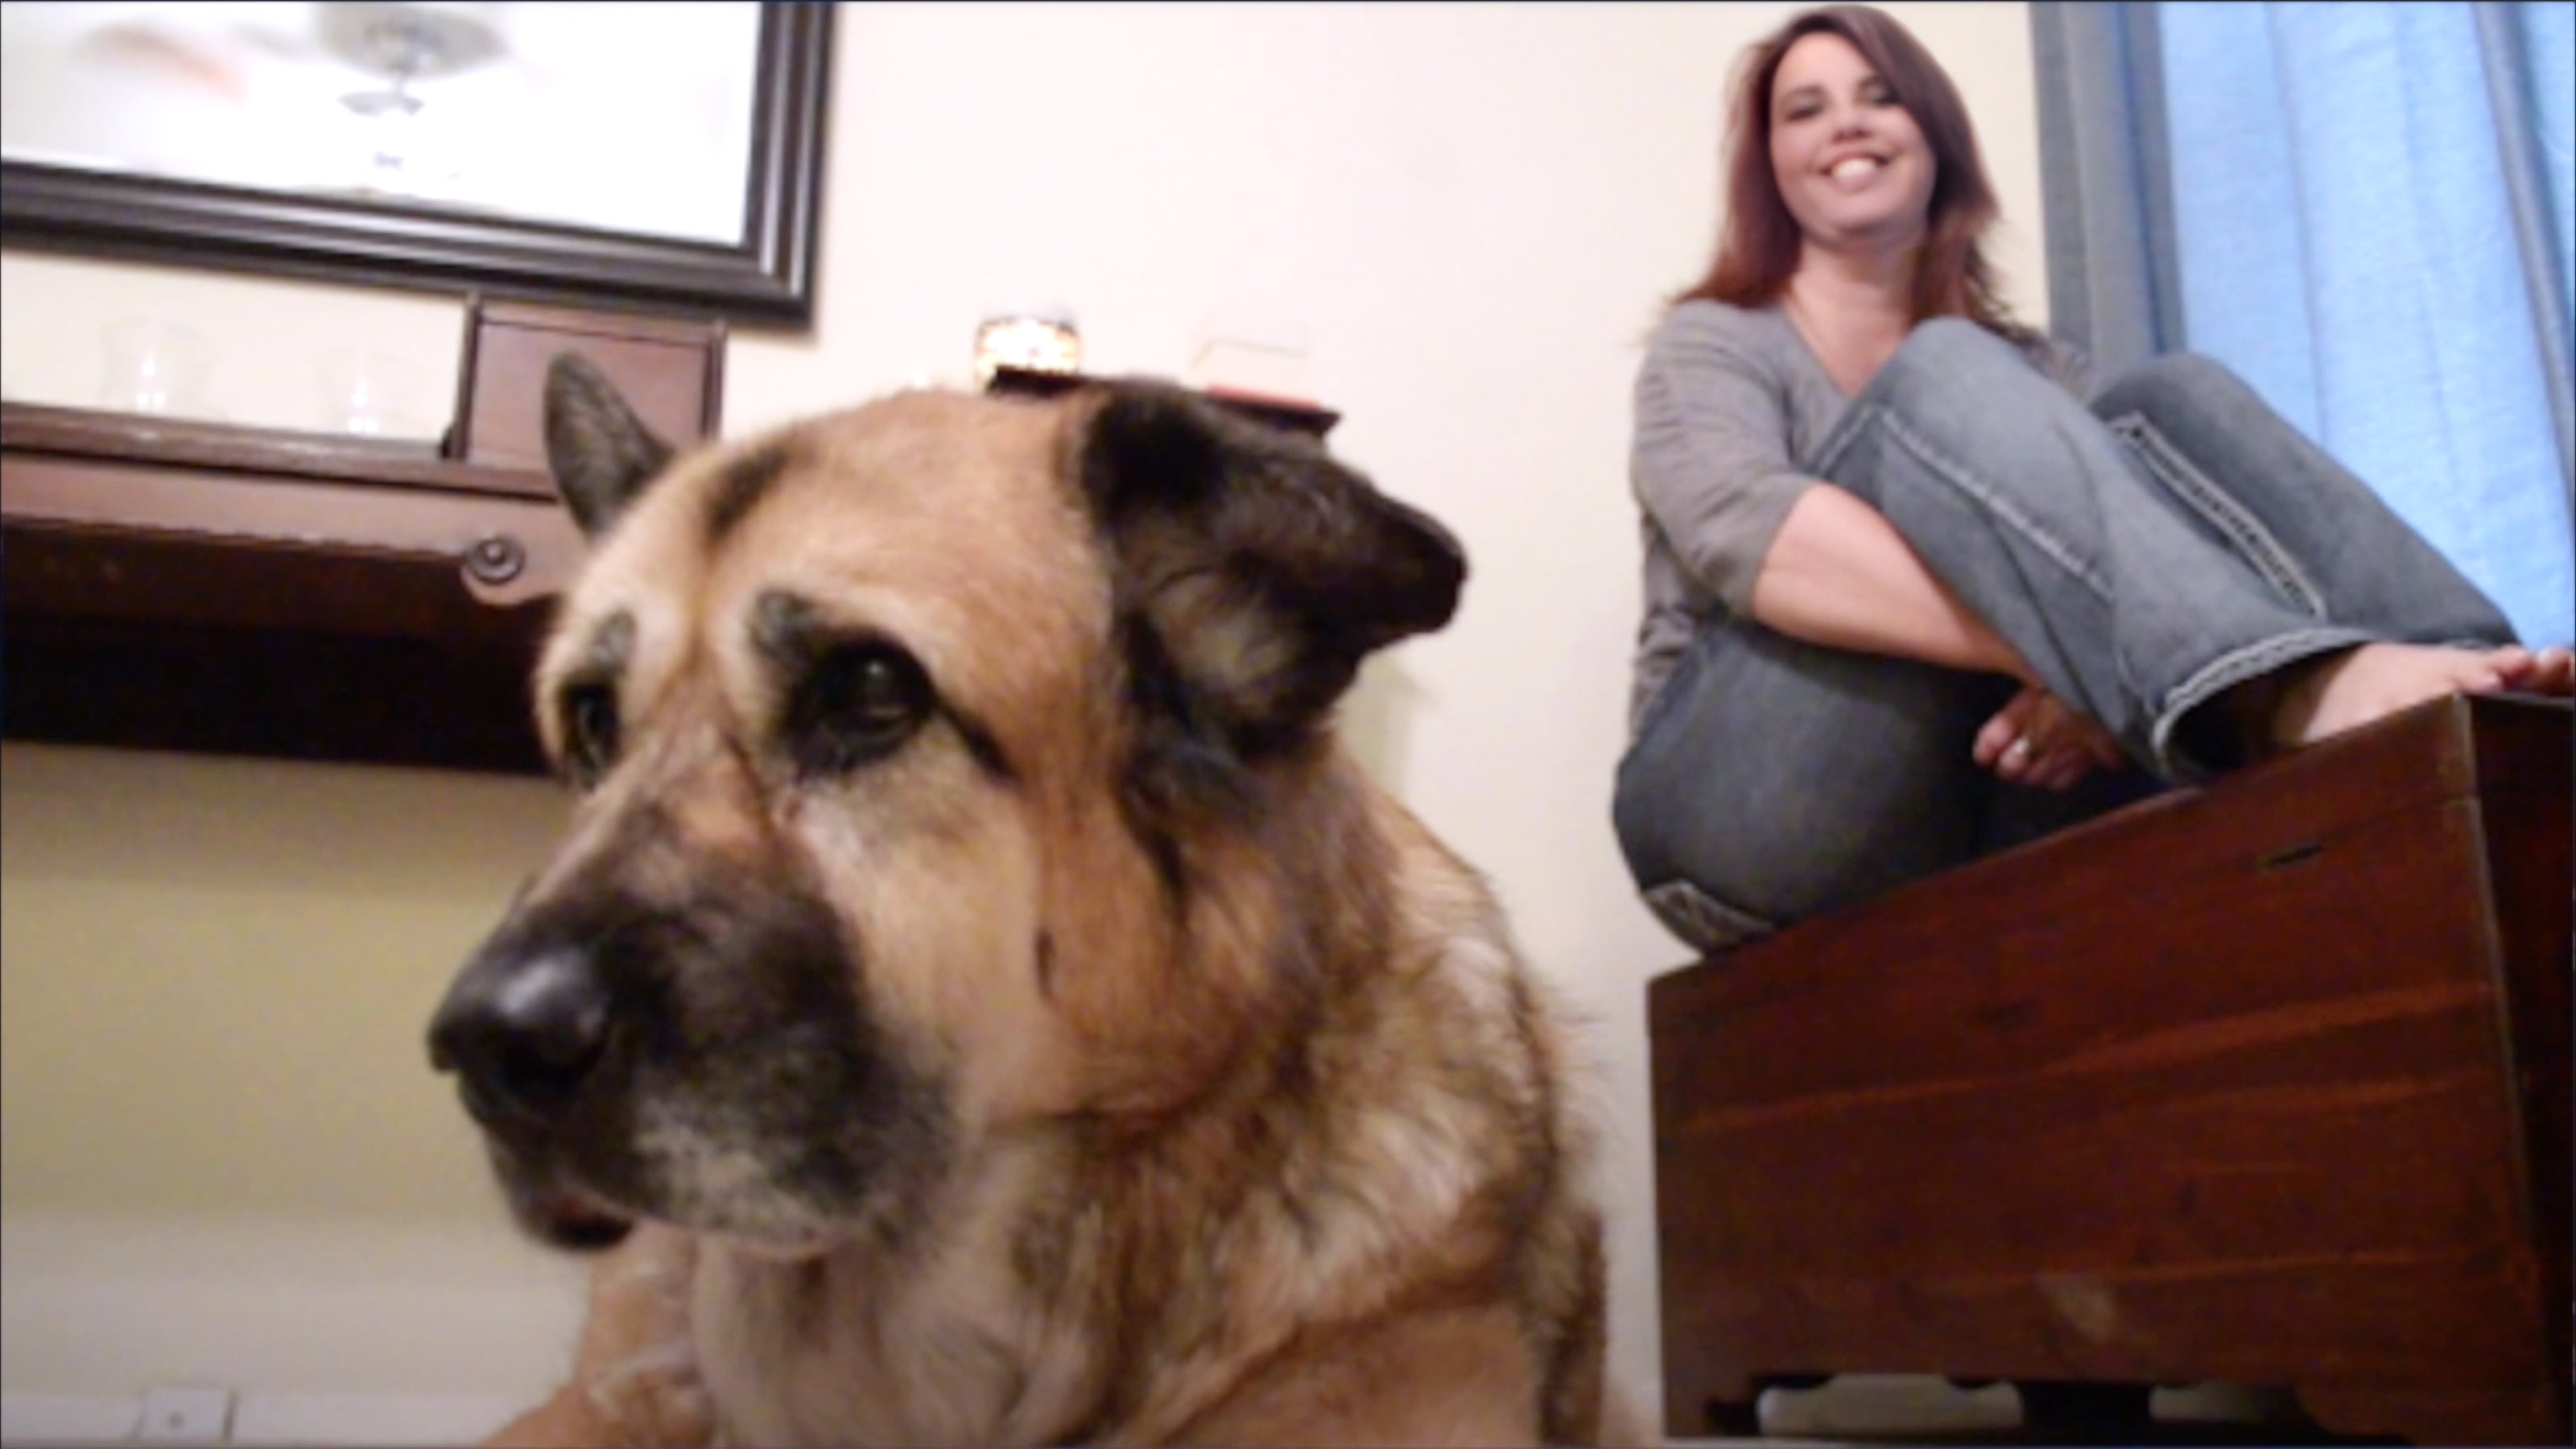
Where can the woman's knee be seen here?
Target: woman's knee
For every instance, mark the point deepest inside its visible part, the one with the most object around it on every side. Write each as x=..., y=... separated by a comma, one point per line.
x=1954, y=343
x=1947, y=360
x=2175, y=384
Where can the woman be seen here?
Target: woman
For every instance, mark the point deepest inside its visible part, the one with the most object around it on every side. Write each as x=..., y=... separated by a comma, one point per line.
x=1909, y=598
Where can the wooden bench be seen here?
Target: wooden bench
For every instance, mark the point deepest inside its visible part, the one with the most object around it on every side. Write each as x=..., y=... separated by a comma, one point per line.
x=2264, y=1083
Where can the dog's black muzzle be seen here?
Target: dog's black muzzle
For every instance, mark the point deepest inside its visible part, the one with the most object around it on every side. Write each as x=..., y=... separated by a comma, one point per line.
x=522, y=1029
x=728, y=1015
x=527, y=1028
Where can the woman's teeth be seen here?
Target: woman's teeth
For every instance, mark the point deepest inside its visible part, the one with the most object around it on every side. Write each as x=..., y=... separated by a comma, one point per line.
x=1852, y=168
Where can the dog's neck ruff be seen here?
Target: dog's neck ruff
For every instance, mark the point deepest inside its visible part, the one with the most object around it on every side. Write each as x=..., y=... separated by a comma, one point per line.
x=1133, y=1293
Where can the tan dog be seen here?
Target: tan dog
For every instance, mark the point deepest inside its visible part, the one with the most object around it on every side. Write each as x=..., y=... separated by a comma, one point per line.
x=976, y=998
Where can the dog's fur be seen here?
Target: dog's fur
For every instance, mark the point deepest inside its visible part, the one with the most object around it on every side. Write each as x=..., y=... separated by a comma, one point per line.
x=1017, y=1022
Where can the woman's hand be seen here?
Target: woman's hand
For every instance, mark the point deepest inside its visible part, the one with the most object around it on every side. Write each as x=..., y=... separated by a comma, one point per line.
x=2039, y=739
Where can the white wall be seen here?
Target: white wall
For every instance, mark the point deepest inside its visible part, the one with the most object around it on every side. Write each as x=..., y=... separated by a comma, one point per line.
x=1472, y=208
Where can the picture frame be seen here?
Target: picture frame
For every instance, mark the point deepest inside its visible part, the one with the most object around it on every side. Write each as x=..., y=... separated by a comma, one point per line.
x=764, y=276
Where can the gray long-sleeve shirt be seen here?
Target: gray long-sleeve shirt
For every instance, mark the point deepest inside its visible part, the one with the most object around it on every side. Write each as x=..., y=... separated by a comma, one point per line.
x=1727, y=401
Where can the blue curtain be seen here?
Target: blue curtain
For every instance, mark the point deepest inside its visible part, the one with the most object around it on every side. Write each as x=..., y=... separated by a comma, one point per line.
x=2371, y=210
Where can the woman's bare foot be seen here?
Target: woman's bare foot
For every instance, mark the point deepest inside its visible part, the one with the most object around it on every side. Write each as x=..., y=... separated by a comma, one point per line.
x=2326, y=696
x=2550, y=671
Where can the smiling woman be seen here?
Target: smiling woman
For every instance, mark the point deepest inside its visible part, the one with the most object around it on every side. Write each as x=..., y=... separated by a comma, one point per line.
x=1846, y=183
x=1915, y=591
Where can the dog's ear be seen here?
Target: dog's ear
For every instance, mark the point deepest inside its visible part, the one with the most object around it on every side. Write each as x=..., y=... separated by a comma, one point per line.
x=1253, y=572
x=599, y=451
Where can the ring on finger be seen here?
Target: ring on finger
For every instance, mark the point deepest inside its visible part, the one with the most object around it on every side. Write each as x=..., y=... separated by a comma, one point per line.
x=2019, y=752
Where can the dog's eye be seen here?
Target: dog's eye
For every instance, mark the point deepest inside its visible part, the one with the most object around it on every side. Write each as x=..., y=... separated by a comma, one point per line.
x=590, y=729
x=855, y=704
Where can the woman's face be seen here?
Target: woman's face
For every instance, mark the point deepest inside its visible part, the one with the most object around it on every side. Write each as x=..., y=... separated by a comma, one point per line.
x=1850, y=162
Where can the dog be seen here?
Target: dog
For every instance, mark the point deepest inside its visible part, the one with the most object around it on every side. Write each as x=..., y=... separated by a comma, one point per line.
x=976, y=1000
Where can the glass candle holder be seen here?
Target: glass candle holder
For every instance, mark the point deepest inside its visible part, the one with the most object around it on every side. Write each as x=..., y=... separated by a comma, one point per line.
x=1039, y=339
x=155, y=367
x=365, y=393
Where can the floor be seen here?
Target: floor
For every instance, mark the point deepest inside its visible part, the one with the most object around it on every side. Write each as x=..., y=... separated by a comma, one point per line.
x=1876, y=1409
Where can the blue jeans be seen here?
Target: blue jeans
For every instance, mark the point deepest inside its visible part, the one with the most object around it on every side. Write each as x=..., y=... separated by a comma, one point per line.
x=2144, y=556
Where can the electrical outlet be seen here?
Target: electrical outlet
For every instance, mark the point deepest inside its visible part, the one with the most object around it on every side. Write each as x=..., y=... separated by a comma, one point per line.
x=185, y=1414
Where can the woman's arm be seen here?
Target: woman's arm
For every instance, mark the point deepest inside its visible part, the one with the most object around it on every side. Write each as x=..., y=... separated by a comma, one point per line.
x=1838, y=573
x=1711, y=466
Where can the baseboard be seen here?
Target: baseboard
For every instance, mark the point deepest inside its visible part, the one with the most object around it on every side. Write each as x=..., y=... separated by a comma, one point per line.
x=369, y=1418
x=34, y=1419
x=28, y=1421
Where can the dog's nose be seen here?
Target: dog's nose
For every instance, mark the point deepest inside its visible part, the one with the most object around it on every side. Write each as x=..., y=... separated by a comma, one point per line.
x=521, y=1036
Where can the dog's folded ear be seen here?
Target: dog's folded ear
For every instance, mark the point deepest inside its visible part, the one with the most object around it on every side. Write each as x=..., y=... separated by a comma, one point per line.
x=1259, y=570
x=599, y=451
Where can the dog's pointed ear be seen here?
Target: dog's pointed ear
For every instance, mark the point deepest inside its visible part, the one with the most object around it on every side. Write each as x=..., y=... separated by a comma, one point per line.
x=599, y=451
x=1260, y=570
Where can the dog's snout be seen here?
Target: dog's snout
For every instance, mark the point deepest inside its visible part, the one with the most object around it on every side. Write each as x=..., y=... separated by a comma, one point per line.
x=522, y=1036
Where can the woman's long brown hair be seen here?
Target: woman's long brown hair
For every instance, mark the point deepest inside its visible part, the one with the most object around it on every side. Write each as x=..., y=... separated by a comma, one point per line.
x=1757, y=246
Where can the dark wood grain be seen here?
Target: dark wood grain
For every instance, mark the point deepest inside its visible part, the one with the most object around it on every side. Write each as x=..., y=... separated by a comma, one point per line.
x=198, y=586
x=30, y=430
x=669, y=369
x=2217, y=1087
x=2527, y=775
x=281, y=653
x=249, y=591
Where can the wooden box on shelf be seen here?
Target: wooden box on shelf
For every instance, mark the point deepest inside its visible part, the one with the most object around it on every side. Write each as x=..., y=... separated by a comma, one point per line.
x=671, y=370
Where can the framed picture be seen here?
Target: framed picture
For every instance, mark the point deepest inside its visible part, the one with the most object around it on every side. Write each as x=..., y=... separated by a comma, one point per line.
x=664, y=156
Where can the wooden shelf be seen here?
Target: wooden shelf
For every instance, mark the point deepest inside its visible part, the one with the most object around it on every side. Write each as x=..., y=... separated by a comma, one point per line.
x=198, y=586
x=228, y=448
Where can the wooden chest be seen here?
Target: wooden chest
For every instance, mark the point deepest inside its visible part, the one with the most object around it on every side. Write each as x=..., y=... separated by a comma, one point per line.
x=2264, y=1083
